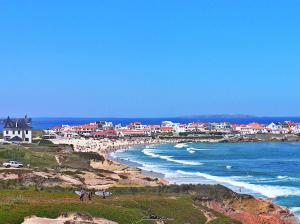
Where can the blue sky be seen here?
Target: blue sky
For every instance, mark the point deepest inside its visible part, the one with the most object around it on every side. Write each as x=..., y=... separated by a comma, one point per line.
x=149, y=58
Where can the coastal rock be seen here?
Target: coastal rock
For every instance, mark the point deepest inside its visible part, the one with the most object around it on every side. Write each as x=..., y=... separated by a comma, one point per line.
x=252, y=211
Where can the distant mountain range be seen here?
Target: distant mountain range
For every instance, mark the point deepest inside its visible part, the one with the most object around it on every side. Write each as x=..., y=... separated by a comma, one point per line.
x=218, y=116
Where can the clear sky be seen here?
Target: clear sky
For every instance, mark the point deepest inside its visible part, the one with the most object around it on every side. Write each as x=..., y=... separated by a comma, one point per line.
x=149, y=58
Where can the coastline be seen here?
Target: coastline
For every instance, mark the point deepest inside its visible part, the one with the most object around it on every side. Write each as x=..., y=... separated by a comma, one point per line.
x=289, y=213
x=111, y=146
x=129, y=163
x=158, y=179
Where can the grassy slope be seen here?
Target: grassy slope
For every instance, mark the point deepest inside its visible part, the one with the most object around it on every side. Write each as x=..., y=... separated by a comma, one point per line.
x=43, y=156
x=27, y=156
x=122, y=208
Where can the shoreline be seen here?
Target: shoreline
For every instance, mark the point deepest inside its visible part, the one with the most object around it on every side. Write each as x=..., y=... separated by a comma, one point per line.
x=129, y=163
x=154, y=174
x=106, y=146
x=127, y=144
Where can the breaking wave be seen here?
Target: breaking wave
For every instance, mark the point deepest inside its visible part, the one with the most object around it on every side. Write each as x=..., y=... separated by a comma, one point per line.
x=190, y=150
x=267, y=191
x=181, y=145
x=295, y=209
x=288, y=178
x=170, y=158
x=282, y=177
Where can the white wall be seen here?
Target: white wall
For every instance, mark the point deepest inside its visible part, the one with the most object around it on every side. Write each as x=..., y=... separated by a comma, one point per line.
x=20, y=134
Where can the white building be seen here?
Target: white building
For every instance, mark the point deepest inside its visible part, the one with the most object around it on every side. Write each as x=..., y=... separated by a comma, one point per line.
x=224, y=127
x=167, y=124
x=296, y=128
x=278, y=128
x=248, y=130
x=17, y=130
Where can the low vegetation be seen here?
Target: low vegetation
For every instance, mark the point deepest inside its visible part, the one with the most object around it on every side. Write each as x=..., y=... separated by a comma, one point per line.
x=45, y=155
x=37, y=133
x=123, y=208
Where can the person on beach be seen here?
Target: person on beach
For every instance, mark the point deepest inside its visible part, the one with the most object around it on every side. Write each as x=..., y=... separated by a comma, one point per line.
x=90, y=195
x=81, y=195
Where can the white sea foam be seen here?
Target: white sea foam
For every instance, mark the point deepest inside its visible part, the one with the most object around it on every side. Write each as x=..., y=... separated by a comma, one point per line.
x=267, y=191
x=181, y=145
x=295, y=209
x=150, y=166
x=148, y=152
x=228, y=167
x=282, y=177
x=287, y=178
x=190, y=150
x=162, y=170
x=112, y=155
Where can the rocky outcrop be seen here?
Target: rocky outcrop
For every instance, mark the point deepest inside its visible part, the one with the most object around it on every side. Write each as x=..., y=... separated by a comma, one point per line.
x=251, y=210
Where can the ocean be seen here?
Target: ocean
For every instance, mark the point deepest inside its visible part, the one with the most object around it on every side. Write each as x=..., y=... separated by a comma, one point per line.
x=267, y=170
x=44, y=123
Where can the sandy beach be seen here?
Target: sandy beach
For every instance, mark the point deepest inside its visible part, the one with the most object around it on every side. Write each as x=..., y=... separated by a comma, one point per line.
x=106, y=146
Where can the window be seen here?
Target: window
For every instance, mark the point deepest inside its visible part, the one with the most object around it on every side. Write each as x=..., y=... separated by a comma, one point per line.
x=19, y=132
x=7, y=132
x=26, y=132
x=13, y=132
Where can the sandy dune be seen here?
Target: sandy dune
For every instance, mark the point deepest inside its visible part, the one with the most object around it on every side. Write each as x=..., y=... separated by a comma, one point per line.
x=69, y=218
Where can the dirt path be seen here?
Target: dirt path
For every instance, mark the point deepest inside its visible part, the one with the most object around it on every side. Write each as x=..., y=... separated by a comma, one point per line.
x=57, y=160
x=208, y=215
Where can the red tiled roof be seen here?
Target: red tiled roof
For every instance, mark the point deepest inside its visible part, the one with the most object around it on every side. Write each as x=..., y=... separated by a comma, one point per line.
x=291, y=123
x=105, y=132
x=132, y=132
x=166, y=129
x=88, y=126
x=154, y=126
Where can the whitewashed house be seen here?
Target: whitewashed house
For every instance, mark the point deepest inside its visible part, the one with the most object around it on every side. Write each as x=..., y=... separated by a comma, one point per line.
x=223, y=127
x=180, y=128
x=296, y=128
x=251, y=129
x=248, y=130
x=278, y=128
x=275, y=126
x=17, y=130
x=167, y=124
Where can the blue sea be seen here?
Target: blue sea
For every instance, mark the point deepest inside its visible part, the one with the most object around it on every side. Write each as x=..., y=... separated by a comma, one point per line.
x=268, y=170
x=48, y=122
